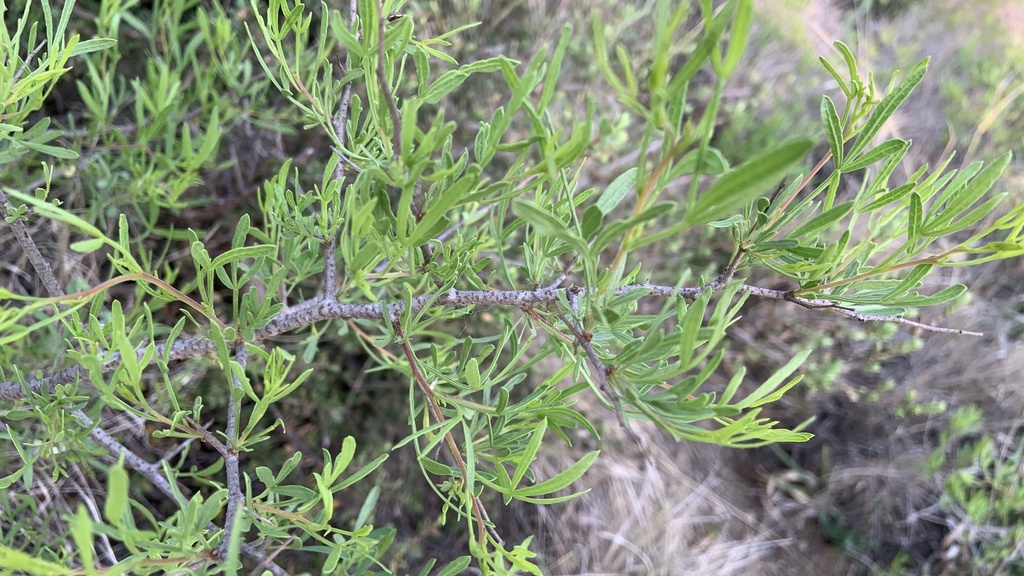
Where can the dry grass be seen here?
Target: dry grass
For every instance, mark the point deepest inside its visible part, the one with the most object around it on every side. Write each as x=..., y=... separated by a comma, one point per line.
x=664, y=508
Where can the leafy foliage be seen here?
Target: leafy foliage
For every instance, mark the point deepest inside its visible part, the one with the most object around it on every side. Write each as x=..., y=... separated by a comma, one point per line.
x=425, y=231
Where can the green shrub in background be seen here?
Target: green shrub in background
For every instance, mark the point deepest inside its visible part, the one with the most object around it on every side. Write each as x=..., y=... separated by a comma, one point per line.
x=395, y=240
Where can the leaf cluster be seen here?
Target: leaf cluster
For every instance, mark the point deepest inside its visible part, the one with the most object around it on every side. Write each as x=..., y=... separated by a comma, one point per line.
x=404, y=233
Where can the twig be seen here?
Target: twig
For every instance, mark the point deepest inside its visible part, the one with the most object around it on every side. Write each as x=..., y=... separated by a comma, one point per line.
x=396, y=120
x=264, y=560
x=331, y=267
x=152, y=473
x=208, y=437
x=339, y=127
x=730, y=270
x=321, y=309
x=435, y=411
x=353, y=11
x=339, y=121
x=565, y=273
x=40, y=264
x=270, y=557
x=235, y=496
x=346, y=161
x=600, y=371
x=24, y=65
x=777, y=213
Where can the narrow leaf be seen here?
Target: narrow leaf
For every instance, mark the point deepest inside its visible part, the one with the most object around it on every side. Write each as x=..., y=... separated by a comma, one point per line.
x=738, y=36
x=965, y=198
x=616, y=191
x=833, y=130
x=773, y=384
x=243, y=252
x=888, y=198
x=441, y=87
x=547, y=223
x=117, y=494
x=876, y=154
x=530, y=452
x=823, y=220
x=916, y=215
x=562, y=479
x=887, y=107
x=735, y=189
x=913, y=280
x=940, y=297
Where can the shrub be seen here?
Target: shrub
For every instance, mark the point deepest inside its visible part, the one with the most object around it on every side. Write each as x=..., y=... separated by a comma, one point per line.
x=400, y=235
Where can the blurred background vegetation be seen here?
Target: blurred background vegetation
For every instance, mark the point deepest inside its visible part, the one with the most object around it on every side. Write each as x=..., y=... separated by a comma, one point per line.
x=918, y=461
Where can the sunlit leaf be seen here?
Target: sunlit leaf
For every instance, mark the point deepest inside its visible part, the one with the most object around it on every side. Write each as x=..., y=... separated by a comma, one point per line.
x=732, y=191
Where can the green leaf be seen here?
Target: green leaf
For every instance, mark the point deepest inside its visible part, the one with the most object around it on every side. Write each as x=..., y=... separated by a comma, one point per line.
x=441, y=87
x=55, y=151
x=87, y=246
x=22, y=563
x=738, y=36
x=888, y=198
x=968, y=219
x=560, y=480
x=615, y=229
x=435, y=211
x=616, y=191
x=879, y=310
x=728, y=222
x=551, y=77
x=743, y=184
x=941, y=297
x=916, y=215
x=592, y=220
x=886, y=108
x=847, y=54
x=833, y=130
x=530, y=452
x=472, y=373
x=483, y=148
x=547, y=223
x=823, y=220
x=364, y=471
x=117, y=494
x=92, y=45
x=344, y=35
x=963, y=198
x=487, y=65
x=695, y=60
x=963, y=176
x=876, y=154
x=242, y=253
x=712, y=163
x=839, y=78
x=773, y=388
x=331, y=562
x=913, y=280
x=368, y=507
x=689, y=329
x=456, y=567
x=232, y=563
x=81, y=530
